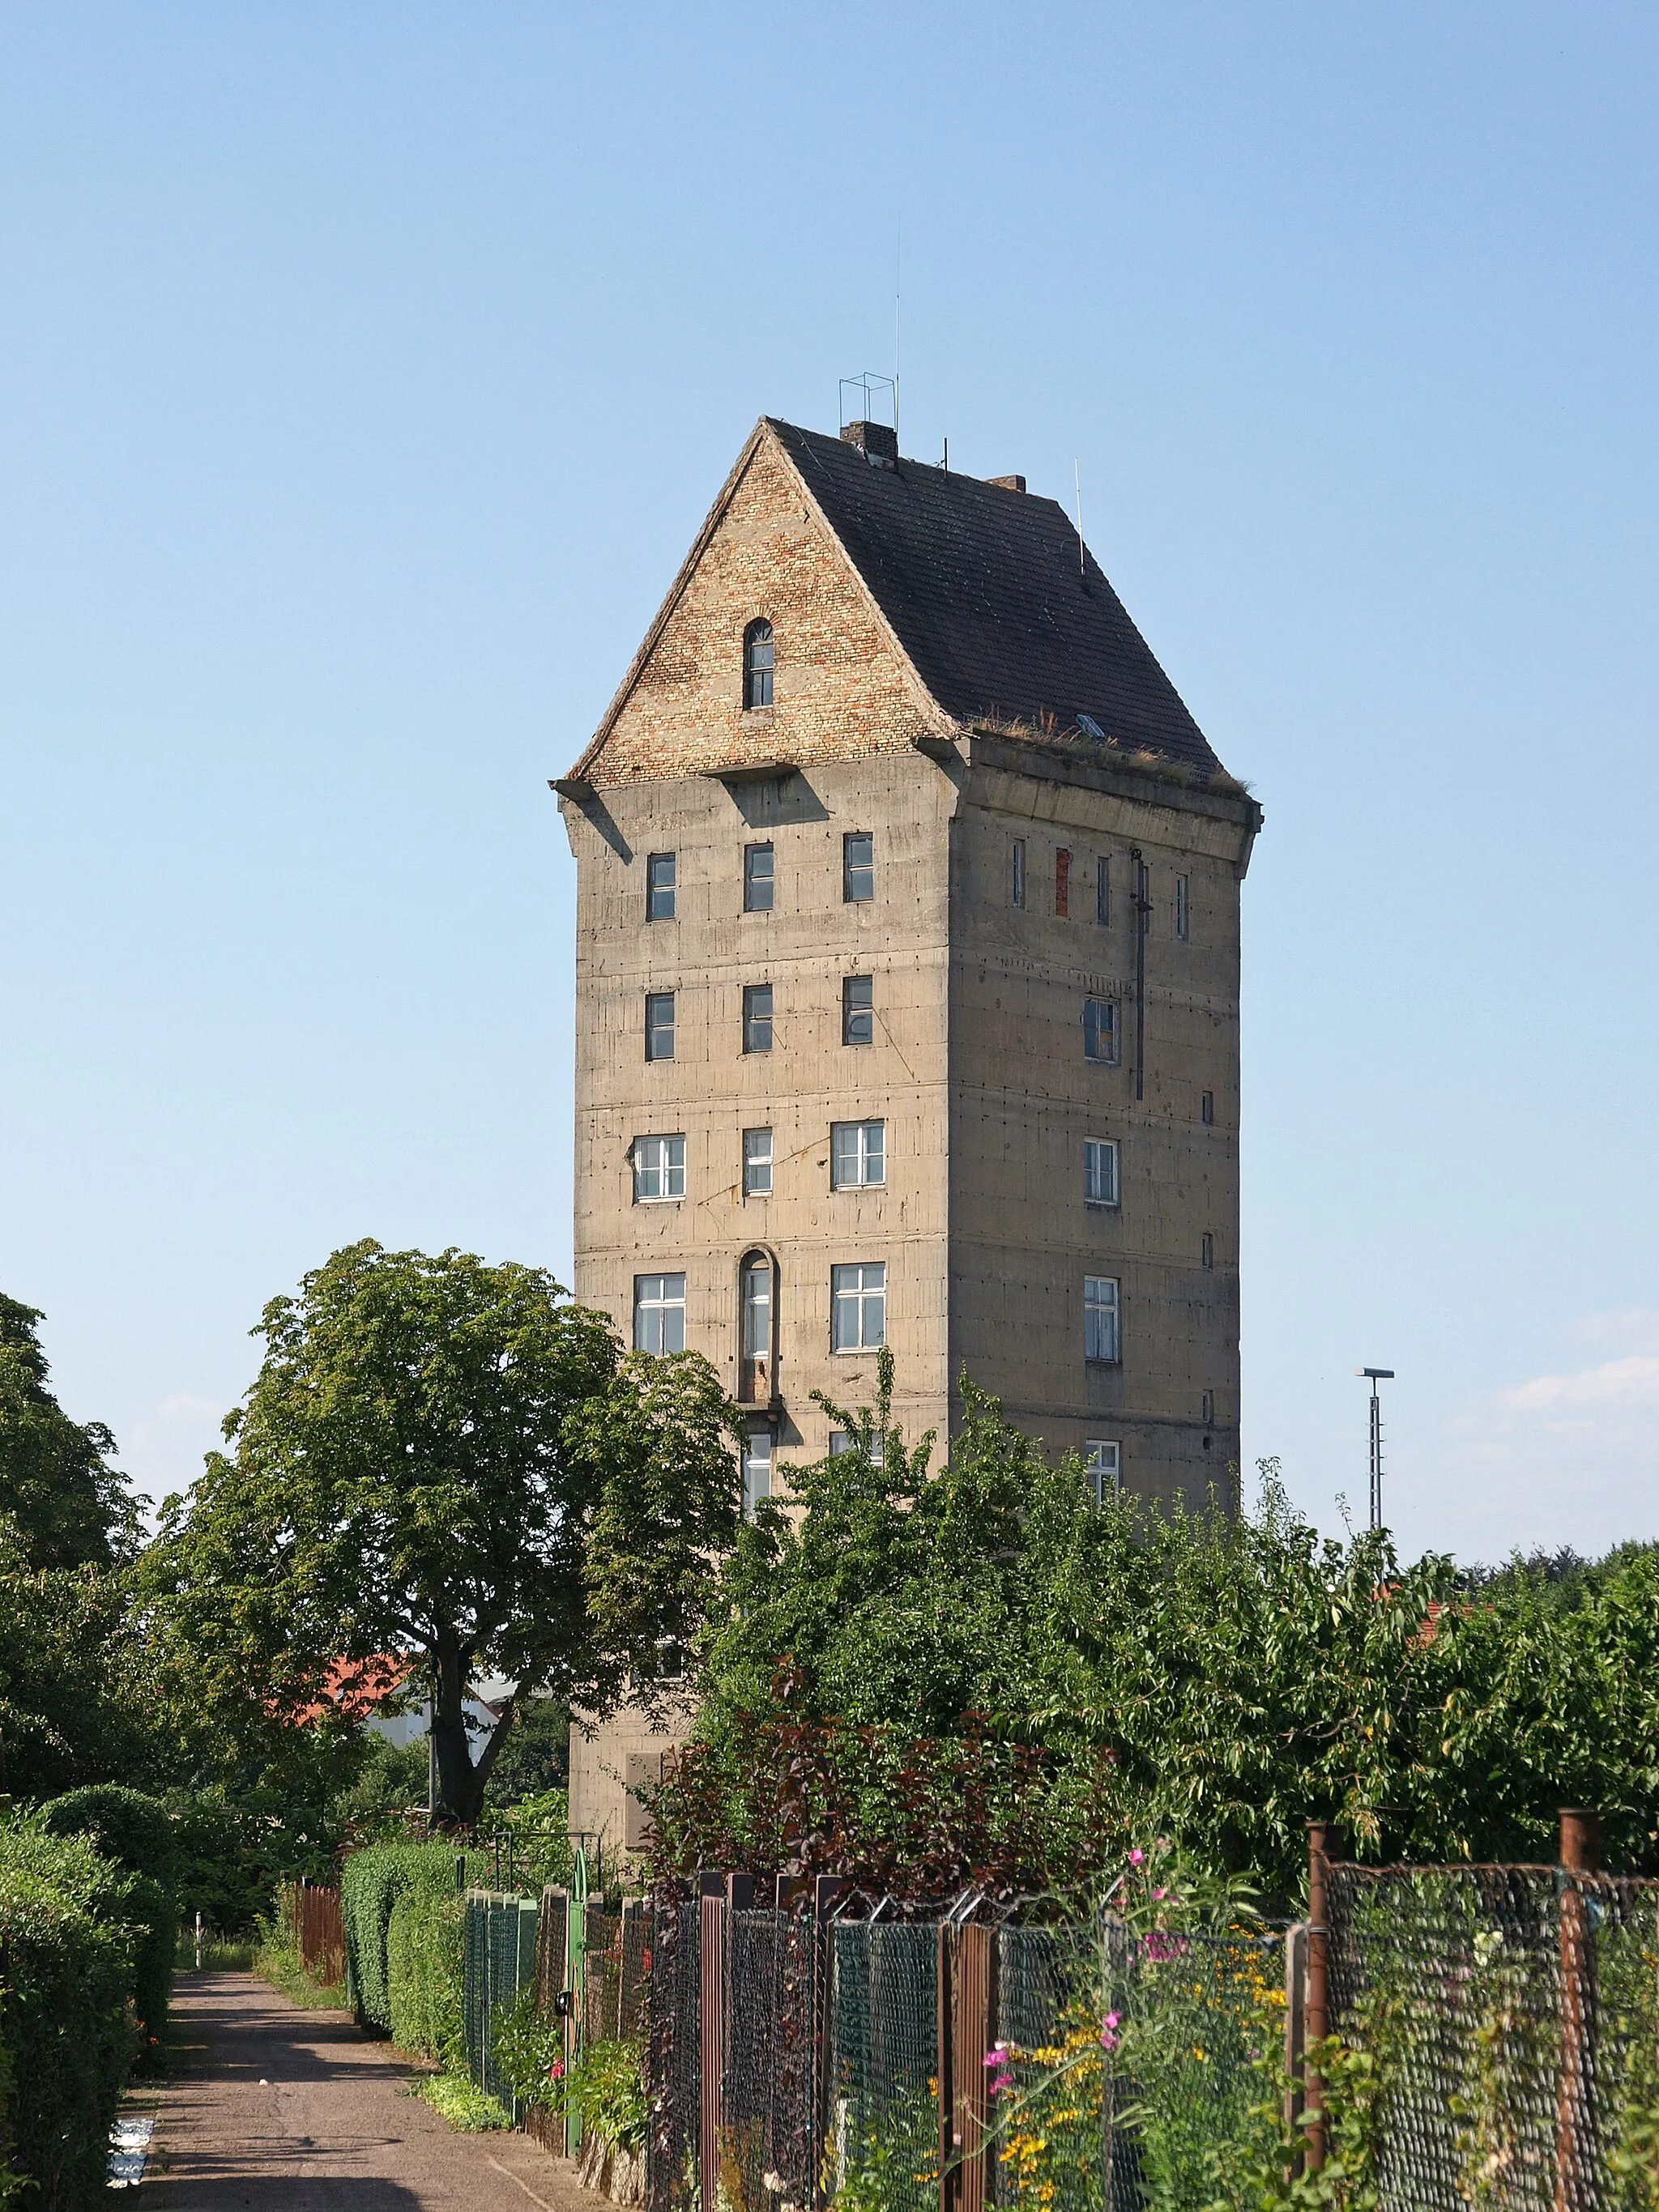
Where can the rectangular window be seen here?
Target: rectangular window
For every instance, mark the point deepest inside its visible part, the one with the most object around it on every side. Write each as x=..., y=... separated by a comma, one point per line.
x=858, y=1298
x=1062, y=880
x=659, y=1025
x=659, y=887
x=858, y=1010
x=858, y=1154
x=1102, y=1466
x=1099, y=1317
x=758, y=880
x=1099, y=1171
x=858, y=867
x=659, y=1168
x=1019, y=872
x=756, y=1471
x=1206, y=1405
x=1100, y=1030
x=843, y=1440
x=1182, y=908
x=1206, y=1108
x=659, y=1313
x=1102, y=890
x=758, y=1018
x=1207, y=1249
x=757, y=1162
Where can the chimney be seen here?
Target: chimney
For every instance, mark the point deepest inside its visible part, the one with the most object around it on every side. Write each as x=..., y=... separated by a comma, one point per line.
x=877, y=442
x=1007, y=484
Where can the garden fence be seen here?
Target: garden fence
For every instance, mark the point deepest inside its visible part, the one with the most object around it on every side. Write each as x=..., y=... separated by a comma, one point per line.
x=816, y=2043
x=317, y=1927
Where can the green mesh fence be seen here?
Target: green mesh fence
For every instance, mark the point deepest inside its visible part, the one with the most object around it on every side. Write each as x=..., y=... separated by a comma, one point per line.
x=498, y=1961
x=882, y=2135
x=1512, y=2013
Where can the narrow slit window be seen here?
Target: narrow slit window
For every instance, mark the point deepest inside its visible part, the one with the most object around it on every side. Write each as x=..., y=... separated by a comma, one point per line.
x=1018, y=883
x=1207, y=1404
x=1207, y=1250
x=660, y=872
x=1100, y=1318
x=1206, y=1108
x=1183, y=907
x=757, y=1162
x=758, y=880
x=1062, y=881
x=758, y=1018
x=1103, y=891
x=858, y=1010
x=757, y=662
x=659, y=1025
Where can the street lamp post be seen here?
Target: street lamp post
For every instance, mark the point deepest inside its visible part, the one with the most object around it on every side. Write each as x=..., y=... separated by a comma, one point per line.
x=1374, y=1376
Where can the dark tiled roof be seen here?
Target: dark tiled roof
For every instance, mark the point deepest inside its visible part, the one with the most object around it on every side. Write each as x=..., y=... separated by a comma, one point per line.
x=983, y=588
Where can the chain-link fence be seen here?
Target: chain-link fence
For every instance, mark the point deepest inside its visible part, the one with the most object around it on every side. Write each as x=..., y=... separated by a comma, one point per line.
x=1513, y=2016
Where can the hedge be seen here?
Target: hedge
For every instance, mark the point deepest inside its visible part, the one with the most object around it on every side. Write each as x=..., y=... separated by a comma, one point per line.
x=371, y=1885
x=426, y=1945
x=66, y=2034
x=136, y=1831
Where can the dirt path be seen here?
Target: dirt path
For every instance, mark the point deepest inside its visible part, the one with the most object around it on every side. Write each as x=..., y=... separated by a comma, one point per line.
x=288, y=2110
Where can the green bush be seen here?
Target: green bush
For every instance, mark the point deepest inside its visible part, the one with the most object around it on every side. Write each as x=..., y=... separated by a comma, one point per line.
x=136, y=1831
x=371, y=1884
x=66, y=2032
x=425, y=1951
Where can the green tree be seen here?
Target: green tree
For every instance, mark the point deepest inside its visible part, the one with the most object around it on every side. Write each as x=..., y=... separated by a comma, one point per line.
x=70, y=1507
x=418, y=1469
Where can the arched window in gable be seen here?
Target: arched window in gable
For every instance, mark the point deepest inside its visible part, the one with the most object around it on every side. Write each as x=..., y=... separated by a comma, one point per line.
x=758, y=655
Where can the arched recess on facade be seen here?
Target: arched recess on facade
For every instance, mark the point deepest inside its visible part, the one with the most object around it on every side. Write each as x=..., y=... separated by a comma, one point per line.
x=758, y=1287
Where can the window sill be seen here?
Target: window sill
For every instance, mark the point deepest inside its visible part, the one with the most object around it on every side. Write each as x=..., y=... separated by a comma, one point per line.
x=1104, y=1204
x=854, y=1350
x=1090, y=1360
x=680, y=1201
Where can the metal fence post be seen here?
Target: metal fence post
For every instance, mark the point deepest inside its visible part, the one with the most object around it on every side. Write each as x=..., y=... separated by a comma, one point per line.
x=1296, y=2029
x=1316, y=2012
x=711, y=2034
x=1579, y=1851
x=826, y=1888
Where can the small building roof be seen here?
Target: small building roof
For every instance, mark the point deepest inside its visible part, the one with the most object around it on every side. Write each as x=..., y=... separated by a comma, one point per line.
x=984, y=588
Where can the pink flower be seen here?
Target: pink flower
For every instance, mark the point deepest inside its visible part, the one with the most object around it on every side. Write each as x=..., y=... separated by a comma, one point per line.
x=1136, y=1856
x=1159, y=1894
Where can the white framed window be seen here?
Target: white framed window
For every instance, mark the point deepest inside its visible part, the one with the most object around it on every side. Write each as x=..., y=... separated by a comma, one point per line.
x=659, y=1169
x=1103, y=1466
x=858, y=1154
x=1100, y=1334
x=759, y=661
x=1099, y=1171
x=858, y=1306
x=659, y=1313
x=858, y=1009
x=1183, y=907
x=858, y=867
x=758, y=1018
x=660, y=872
x=756, y=1470
x=843, y=1440
x=1019, y=883
x=659, y=1025
x=1100, y=1030
x=755, y=1328
x=758, y=880
x=758, y=1163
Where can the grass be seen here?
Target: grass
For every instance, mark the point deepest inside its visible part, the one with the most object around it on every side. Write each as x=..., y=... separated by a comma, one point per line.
x=468, y=2109
x=280, y=1965
x=223, y=1954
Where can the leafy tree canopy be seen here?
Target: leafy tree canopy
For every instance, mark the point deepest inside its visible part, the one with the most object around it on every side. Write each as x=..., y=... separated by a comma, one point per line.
x=68, y=1506
x=429, y=1448
x=984, y=1673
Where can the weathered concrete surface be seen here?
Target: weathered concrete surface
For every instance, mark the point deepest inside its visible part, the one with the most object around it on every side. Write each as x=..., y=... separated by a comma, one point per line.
x=288, y=2110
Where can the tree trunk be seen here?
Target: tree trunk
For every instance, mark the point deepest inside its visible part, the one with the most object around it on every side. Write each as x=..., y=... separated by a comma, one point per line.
x=461, y=1783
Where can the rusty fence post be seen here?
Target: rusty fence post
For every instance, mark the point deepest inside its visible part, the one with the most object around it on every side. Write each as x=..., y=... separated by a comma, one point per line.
x=711, y=2031
x=1316, y=2009
x=826, y=1888
x=1579, y=1854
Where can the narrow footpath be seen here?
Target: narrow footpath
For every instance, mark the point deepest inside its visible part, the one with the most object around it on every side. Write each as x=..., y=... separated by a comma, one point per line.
x=286, y=2110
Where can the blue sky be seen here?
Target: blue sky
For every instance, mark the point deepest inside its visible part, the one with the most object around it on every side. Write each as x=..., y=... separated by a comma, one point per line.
x=365, y=372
